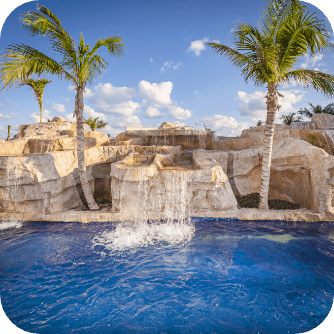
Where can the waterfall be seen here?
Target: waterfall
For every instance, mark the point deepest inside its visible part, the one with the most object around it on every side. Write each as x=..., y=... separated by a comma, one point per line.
x=330, y=135
x=303, y=125
x=166, y=195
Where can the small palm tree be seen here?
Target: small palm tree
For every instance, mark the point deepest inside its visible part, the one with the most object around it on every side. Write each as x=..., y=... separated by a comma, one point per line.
x=79, y=63
x=268, y=55
x=38, y=88
x=317, y=109
x=94, y=123
x=8, y=132
x=288, y=119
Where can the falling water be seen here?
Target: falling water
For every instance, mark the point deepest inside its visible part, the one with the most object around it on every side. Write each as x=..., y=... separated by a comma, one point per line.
x=166, y=196
x=10, y=174
x=330, y=135
x=303, y=125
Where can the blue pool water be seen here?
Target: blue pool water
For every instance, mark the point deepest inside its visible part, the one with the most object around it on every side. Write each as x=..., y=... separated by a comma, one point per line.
x=207, y=276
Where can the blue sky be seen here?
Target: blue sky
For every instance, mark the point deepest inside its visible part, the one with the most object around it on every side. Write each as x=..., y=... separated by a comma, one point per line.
x=167, y=73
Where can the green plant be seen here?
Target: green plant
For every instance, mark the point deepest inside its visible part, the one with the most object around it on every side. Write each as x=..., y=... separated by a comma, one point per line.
x=292, y=117
x=38, y=88
x=208, y=129
x=8, y=133
x=317, y=109
x=268, y=55
x=94, y=123
x=259, y=123
x=79, y=63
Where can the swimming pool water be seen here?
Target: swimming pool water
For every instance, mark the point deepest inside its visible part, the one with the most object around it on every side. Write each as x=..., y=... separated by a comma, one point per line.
x=207, y=276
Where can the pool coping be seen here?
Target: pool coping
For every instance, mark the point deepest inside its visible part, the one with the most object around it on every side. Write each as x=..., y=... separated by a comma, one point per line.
x=299, y=215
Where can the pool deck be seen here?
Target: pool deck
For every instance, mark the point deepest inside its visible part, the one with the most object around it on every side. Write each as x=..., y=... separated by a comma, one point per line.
x=300, y=215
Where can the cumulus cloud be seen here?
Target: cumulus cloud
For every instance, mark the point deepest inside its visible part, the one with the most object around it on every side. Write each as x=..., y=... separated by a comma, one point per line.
x=58, y=107
x=90, y=112
x=223, y=125
x=198, y=46
x=46, y=115
x=122, y=122
x=178, y=113
x=158, y=93
x=254, y=104
x=152, y=112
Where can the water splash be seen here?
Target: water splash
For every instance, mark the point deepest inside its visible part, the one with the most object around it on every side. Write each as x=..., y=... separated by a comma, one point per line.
x=330, y=135
x=8, y=224
x=170, y=201
x=303, y=125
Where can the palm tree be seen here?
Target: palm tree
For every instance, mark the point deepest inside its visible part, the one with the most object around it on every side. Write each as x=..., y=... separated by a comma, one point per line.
x=259, y=123
x=268, y=54
x=94, y=123
x=288, y=119
x=317, y=109
x=79, y=64
x=38, y=88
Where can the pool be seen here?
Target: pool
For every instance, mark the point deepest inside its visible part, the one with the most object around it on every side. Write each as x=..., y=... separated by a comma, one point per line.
x=204, y=276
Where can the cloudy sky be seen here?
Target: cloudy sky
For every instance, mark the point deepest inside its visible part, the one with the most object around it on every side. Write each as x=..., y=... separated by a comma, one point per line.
x=167, y=72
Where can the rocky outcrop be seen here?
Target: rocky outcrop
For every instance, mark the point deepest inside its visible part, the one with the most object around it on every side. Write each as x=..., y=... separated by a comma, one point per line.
x=300, y=173
x=323, y=121
x=155, y=184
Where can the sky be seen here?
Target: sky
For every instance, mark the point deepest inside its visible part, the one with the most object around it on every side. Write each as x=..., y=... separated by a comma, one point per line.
x=166, y=74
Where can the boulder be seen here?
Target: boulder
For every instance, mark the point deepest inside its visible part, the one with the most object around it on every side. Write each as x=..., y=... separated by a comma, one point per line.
x=300, y=173
x=323, y=121
x=59, y=119
x=167, y=125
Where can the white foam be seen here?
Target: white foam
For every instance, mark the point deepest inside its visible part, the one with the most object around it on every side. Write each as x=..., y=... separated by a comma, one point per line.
x=132, y=235
x=7, y=224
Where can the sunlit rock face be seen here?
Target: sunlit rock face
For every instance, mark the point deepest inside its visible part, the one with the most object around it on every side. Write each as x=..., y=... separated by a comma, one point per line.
x=323, y=121
x=167, y=186
x=300, y=173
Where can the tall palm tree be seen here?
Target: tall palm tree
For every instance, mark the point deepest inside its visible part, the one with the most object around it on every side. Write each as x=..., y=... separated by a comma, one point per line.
x=38, y=88
x=79, y=64
x=268, y=54
x=317, y=109
x=288, y=119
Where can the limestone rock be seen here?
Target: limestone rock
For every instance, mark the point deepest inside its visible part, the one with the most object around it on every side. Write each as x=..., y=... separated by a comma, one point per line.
x=167, y=125
x=59, y=119
x=323, y=121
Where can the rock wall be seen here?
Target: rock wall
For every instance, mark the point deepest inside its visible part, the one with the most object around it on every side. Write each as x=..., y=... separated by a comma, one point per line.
x=300, y=173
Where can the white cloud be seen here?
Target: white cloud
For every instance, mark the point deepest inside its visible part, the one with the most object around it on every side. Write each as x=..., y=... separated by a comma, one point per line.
x=178, y=113
x=58, y=107
x=311, y=62
x=69, y=117
x=158, y=93
x=152, y=112
x=223, y=125
x=3, y=117
x=196, y=92
x=127, y=108
x=45, y=116
x=176, y=66
x=167, y=64
x=254, y=104
x=67, y=100
x=198, y=46
x=90, y=112
x=9, y=101
x=151, y=60
x=122, y=122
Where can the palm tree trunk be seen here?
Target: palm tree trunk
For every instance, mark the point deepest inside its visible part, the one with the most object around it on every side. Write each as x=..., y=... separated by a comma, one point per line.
x=272, y=105
x=81, y=150
x=41, y=109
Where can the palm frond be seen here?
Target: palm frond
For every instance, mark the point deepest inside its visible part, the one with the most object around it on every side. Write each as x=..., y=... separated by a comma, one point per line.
x=21, y=61
x=321, y=82
x=114, y=45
